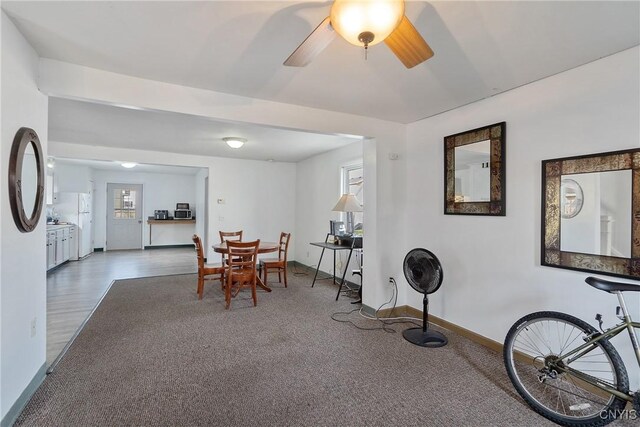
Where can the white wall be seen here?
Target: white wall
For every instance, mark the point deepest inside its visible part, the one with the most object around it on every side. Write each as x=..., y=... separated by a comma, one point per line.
x=582, y=232
x=492, y=264
x=318, y=189
x=159, y=191
x=385, y=190
x=615, y=198
x=72, y=178
x=200, y=204
x=260, y=200
x=22, y=265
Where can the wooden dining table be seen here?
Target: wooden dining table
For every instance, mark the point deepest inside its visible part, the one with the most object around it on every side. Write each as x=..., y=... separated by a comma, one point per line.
x=263, y=248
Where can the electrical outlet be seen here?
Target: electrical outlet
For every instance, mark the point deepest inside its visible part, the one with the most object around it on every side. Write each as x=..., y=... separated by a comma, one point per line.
x=391, y=280
x=220, y=218
x=33, y=326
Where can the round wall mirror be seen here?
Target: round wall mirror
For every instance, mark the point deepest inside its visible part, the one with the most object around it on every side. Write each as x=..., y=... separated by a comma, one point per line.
x=26, y=179
x=571, y=198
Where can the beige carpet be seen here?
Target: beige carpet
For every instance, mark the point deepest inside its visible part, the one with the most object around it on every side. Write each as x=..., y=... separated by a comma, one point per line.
x=152, y=354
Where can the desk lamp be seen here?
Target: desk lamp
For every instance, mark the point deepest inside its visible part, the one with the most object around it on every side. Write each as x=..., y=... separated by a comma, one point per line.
x=348, y=203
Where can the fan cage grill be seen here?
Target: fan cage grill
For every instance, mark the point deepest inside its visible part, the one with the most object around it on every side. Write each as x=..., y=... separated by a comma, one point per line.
x=423, y=270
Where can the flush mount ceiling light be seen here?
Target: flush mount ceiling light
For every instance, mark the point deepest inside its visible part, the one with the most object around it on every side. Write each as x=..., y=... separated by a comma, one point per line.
x=234, y=142
x=366, y=23
x=128, y=165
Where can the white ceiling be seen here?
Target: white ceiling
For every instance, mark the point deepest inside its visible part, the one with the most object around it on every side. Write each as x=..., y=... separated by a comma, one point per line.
x=116, y=166
x=103, y=125
x=482, y=48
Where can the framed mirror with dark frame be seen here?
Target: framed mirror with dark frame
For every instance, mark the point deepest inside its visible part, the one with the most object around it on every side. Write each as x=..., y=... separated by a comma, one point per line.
x=591, y=213
x=474, y=172
x=26, y=179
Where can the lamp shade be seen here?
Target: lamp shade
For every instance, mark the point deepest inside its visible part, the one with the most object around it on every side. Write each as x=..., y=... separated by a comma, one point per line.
x=351, y=18
x=348, y=203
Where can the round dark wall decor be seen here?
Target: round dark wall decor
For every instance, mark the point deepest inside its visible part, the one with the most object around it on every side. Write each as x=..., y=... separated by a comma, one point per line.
x=26, y=179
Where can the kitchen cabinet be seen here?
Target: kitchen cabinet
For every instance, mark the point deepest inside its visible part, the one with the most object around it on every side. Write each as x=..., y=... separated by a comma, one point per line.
x=65, y=244
x=51, y=249
x=51, y=195
x=73, y=243
x=59, y=249
x=60, y=244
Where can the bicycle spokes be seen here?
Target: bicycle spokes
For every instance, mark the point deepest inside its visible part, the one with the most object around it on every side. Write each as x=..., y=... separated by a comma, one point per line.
x=561, y=386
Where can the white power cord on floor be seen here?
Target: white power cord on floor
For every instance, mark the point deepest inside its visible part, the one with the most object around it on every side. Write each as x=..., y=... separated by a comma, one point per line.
x=386, y=321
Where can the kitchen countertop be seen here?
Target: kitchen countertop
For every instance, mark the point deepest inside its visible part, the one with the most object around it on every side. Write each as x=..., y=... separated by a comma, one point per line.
x=53, y=227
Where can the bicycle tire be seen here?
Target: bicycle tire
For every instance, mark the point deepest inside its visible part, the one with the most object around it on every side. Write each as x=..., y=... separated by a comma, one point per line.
x=565, y=385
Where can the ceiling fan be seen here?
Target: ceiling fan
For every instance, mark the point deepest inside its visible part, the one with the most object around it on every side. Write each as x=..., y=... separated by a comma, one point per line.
x=366, y=23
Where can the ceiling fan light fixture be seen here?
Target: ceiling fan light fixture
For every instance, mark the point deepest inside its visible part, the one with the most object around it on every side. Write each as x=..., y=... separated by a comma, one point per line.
x=353, y=19
x=234, y=142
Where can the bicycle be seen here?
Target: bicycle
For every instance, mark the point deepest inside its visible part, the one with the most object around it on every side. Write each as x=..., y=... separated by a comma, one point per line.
x=568, y=371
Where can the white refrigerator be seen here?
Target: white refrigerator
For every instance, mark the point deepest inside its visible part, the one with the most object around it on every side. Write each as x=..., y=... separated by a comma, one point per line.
x=75, y=208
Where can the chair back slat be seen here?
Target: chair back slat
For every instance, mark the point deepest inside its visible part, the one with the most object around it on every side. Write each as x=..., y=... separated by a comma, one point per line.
x=230, y=235
x=283, y=246
x=199, y=251
x=242, y=255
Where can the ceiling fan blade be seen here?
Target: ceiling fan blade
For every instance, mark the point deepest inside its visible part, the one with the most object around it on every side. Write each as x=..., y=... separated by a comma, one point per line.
x=408, y=45
x=312, y=45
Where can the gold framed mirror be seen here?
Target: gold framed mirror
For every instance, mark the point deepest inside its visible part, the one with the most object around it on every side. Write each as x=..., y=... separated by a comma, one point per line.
x=591, y=213
x=474, y=172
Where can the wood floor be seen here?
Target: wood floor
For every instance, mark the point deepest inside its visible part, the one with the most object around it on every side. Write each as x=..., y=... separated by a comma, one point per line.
x=75, y=288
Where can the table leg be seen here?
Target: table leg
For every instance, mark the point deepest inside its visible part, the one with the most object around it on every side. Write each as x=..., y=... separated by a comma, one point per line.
x=334, y=267
x=318, y=268
x=260, y=283
x=344, y=273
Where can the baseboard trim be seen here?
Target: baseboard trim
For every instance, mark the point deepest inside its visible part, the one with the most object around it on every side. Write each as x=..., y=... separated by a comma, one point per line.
x=406, y=310
x=184, y=245
x=322, y=275
x=16, y=409
x=52, y=269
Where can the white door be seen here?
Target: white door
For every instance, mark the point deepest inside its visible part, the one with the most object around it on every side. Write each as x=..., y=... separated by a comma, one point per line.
x=124, y=216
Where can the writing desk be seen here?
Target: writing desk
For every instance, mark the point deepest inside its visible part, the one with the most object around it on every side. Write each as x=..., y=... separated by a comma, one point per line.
x=333, y=247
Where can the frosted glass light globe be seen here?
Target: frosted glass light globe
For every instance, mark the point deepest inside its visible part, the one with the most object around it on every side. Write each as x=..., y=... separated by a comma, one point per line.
x=350, y=18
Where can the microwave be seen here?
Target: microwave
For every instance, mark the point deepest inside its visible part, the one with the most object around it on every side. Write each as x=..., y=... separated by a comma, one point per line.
x=182, y=214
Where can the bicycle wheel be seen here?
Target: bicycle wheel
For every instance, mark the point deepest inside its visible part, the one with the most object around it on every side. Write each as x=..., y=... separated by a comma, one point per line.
x=530, y=356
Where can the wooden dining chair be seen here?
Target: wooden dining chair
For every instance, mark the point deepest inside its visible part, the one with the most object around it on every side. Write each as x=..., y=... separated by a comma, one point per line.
x=229, y=235
x=242, y=257
x=279, y=264
x=205, y=272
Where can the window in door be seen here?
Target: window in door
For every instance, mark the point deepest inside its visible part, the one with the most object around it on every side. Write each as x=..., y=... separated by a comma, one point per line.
x=124, y=204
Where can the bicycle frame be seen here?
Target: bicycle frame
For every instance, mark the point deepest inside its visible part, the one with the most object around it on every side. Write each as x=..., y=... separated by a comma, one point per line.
x=589, y=345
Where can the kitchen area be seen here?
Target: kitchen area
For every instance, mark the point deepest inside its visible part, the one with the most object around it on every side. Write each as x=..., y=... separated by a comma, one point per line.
x=69, y=227
x=83, y=201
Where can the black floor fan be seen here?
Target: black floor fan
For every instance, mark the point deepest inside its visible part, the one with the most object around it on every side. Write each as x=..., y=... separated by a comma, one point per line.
x=424, y=273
